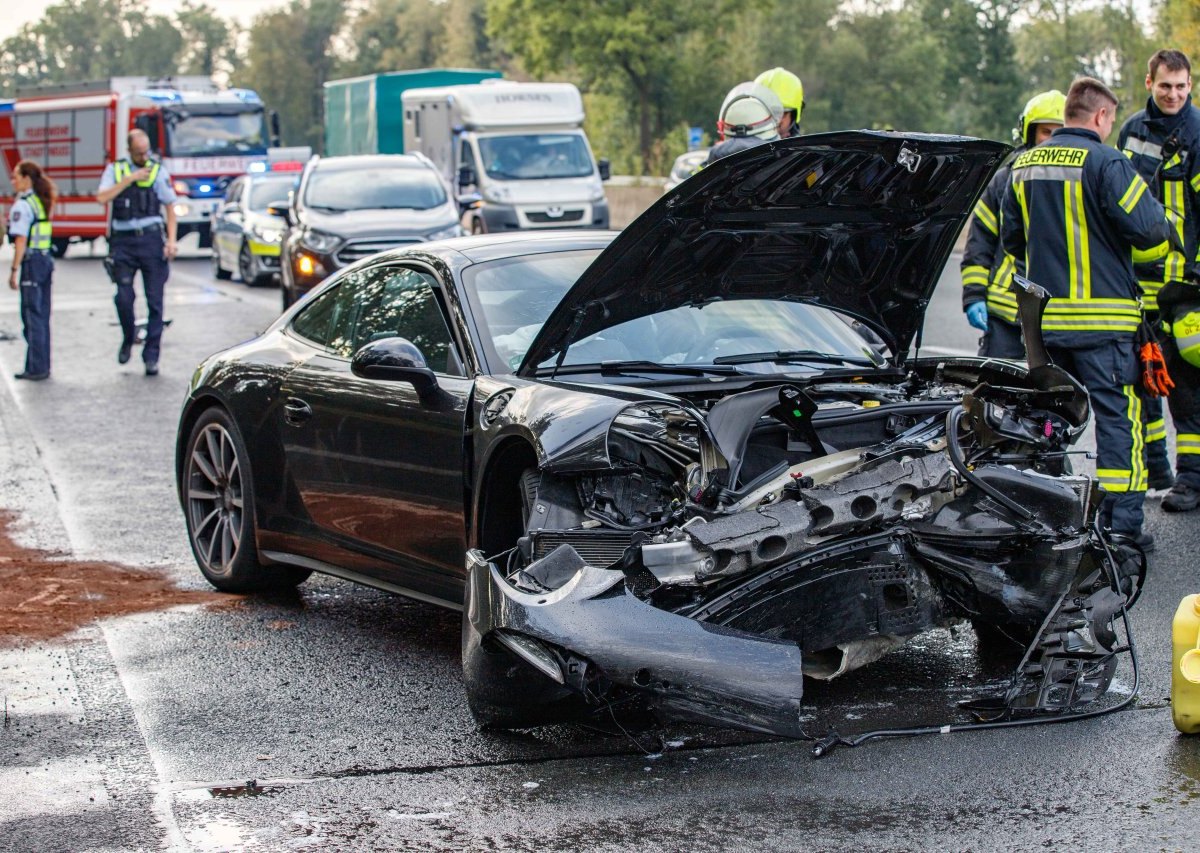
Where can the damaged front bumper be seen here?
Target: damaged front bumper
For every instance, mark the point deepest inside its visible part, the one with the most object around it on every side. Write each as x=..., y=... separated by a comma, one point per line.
x=594, y=637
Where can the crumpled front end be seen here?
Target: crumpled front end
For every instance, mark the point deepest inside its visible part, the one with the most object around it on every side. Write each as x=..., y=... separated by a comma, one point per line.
x=731, y=546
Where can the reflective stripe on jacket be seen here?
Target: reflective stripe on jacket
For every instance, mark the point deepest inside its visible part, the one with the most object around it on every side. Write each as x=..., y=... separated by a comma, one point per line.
x=1075, y=210
x=1141, y=139
x=987, y=270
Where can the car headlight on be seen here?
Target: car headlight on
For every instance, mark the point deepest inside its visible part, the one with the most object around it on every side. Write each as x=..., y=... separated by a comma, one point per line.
x=446, y=233
x=319, y=241
x=266, y=235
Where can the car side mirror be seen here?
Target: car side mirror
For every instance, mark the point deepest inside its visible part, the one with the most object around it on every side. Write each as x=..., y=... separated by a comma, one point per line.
x=605, y=168
x=274, y=121
x=466, y=176
x=395, y=359
x=282, y=209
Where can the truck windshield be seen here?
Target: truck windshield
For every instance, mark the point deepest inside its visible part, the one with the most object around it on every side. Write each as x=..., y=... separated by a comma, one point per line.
x=199, y=135
x=374, y=189
x=535, y=156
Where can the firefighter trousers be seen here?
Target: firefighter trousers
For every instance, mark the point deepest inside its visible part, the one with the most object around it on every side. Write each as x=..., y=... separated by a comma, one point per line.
x=1185, y=413
x=1109, y=372
x=1002, y=340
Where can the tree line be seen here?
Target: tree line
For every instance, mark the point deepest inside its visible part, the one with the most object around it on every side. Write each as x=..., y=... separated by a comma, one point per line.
x=649, y=69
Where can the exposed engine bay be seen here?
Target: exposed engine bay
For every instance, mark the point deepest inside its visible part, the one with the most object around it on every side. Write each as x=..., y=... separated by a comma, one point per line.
x=732, y=544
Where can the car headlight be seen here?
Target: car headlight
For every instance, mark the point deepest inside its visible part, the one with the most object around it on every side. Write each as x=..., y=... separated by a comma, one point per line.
x=597, y=194
x=267, y=235
x=319, y=241
x=499, y=195
x=446, y=233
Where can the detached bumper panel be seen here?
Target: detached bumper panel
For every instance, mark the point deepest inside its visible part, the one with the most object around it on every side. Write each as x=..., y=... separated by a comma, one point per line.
x=685, y=669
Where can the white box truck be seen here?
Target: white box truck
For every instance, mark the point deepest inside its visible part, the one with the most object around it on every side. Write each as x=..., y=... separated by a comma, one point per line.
x=516, y=152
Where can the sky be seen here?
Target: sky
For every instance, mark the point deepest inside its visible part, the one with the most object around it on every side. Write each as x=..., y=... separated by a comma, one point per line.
x=17, y=14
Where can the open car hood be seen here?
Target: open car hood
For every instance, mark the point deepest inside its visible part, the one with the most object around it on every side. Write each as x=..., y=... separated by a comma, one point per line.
x=859, y=221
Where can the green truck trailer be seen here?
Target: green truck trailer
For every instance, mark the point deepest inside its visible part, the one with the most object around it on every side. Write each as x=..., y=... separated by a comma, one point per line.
x=363, y=115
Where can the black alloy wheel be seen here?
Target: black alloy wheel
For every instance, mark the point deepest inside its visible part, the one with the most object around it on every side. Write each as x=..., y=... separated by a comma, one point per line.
x=218, y=498
x=246, y=265
x=219, y=272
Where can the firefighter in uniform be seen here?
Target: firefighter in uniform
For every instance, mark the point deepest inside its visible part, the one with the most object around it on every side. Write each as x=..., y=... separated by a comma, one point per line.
x=139, y=189
x=1163, y=143
x=987, y=270
x=1075, y=210
x=32, y=268
x=790, y=90
x=750, y=116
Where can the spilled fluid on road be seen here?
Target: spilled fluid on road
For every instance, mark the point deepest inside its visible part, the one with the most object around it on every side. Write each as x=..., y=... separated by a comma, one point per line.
x=45, y=594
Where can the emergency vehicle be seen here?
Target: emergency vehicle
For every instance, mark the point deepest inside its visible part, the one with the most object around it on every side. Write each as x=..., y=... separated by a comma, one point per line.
x=204, y=135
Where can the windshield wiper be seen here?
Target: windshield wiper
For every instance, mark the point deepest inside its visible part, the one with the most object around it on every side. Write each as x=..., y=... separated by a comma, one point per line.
x=625, y=368
x=786, y=356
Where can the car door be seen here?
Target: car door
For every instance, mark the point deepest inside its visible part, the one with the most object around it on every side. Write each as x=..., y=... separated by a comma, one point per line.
x=227, y=224
x=382, y=469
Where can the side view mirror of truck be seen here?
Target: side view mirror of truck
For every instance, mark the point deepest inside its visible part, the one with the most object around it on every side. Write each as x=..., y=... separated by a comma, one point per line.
x=274, y=129
x=466, y=176
x=605, y=168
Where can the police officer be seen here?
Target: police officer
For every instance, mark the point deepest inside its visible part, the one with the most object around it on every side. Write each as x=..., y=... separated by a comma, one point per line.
x=139, y=189
x=1075, y=210
x=987, y=270
x=32, y=268
x=750, y=115
x=1163, y=143
x=790, y=90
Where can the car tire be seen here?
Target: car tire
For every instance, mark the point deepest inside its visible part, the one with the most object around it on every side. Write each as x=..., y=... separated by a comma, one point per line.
x=504, y=692
x=219, y=272
x=59, y=246
x=246, y=266
x=218, y=500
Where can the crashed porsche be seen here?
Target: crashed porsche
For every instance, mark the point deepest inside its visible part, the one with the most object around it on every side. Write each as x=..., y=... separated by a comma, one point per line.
x=701, y=554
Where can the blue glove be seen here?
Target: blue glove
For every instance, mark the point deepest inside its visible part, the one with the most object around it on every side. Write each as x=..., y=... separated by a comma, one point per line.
x=977, y=315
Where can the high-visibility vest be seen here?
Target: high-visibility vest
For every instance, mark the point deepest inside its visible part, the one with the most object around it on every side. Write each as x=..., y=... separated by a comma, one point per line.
x=39, y=233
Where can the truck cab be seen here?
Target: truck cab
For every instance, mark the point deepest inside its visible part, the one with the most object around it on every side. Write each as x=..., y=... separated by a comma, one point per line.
x=515, y=152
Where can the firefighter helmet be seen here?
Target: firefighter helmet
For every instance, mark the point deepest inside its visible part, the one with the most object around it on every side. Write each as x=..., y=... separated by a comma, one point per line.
x=751, y=110
x=1046, y=108
x=787, y=86
x=1185, y=329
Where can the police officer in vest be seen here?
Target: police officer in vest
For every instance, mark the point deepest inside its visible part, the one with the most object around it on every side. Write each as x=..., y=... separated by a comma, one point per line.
x=1163, y=143
x=32, y=268
x=1075, y=211
x=987, y=270
x=140, y=189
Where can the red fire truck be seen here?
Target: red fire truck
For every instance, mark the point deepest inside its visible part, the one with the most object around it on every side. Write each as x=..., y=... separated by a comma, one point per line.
x=204, y=135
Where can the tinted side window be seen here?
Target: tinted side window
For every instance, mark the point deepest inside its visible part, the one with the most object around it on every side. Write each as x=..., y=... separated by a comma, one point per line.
x=316, y=321
x=403, y=304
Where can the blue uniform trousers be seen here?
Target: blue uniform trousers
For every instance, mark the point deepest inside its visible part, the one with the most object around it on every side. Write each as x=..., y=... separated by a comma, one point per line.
x=133, y=253
x=1109, y=372
x=35, y=280
x=1002, y=340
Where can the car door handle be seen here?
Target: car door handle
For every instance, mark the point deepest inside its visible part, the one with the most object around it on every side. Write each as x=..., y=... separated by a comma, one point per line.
x=296, y=412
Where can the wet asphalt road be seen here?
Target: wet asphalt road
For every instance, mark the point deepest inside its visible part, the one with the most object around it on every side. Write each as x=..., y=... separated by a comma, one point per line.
x=343, y=704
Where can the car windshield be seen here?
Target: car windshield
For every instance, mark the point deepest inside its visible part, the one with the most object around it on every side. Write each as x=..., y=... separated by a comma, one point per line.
x=200, y=135
x=266, y=191
x=374, y=188
x=516, y=295
x=535, y=156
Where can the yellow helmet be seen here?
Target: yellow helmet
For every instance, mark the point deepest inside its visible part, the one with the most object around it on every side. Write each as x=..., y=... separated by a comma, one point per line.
x=1046, y=108
x=786, y=85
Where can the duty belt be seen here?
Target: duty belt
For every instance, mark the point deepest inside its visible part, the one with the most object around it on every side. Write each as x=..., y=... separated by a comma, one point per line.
x=137, y=232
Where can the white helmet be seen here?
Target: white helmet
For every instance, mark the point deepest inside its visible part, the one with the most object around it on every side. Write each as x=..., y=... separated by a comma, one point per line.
x=751, y=109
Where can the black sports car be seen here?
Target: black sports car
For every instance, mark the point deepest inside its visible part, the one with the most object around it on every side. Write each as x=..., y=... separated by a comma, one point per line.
x=681, y=466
